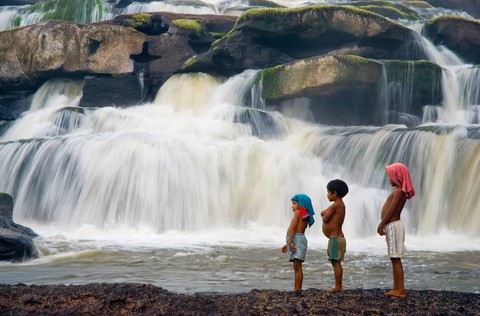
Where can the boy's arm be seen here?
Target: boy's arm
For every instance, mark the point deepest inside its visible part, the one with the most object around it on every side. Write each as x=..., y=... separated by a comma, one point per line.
x=398, y=195
x=293, y=226
x=328, y=213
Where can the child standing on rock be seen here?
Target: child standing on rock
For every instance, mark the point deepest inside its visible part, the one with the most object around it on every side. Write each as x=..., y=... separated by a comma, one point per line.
x=332, y=219
x=296, y=242
x=392, y=227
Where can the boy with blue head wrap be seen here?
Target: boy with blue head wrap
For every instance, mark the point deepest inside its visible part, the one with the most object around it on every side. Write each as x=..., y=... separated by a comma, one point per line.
x=296, y=242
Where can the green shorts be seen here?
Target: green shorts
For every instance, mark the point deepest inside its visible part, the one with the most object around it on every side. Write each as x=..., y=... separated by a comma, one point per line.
x=336, y=248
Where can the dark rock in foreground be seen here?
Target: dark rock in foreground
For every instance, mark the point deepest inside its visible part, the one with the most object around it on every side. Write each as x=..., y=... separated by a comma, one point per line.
x=142, y=299
x=16, y=241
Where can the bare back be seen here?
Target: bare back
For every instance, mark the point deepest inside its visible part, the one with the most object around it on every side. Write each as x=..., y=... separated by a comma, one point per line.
x=333, y=218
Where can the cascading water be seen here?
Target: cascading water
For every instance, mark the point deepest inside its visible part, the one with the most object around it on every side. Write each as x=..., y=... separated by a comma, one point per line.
x=79, y=11
x=192, y=191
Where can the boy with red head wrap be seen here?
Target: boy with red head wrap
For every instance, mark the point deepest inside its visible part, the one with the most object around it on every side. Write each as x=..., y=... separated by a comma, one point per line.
x=391, y=225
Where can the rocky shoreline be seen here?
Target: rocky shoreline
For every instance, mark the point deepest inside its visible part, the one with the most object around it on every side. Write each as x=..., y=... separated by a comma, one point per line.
x=144, y=299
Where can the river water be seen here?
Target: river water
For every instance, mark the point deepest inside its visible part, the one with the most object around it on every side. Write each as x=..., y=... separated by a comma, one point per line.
x=239, y=261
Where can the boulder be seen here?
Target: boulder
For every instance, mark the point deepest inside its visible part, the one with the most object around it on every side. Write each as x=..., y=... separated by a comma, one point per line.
x=16, y=241
x=124, y=61
x=263, y=38
x=460, y=35
x=34, y=53
x=117, y=91
x=332, y=86
x=388, y=9
x=6, y=206
x=172, y=39
x=368, y=90
x=16, y=247
x=318, y=76
x=4, y=125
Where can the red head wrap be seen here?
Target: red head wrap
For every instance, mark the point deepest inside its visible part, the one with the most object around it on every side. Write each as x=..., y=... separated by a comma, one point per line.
x=400, y=175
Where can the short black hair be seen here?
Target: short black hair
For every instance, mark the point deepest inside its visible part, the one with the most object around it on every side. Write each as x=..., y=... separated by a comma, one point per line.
x=338, y=186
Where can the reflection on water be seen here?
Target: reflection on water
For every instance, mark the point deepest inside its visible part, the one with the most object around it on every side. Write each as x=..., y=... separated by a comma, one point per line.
x=217, y=269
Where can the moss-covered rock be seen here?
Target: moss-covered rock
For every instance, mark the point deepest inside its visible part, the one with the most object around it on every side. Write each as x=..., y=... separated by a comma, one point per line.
x=459, y=34
x=266, y=37
x=318, y=76
x=419, y=4
x=334, y=85
x=191, y=26
x=416, y=84
x=388, y=9
x=138, y=21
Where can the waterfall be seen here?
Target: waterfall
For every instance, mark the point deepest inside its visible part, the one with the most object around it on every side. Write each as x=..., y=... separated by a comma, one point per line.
x=461, y=92
x=188, y=162
x=78, y=11
x=49, y=100
x=171, y=6
x=206, y=153
x=7, y=17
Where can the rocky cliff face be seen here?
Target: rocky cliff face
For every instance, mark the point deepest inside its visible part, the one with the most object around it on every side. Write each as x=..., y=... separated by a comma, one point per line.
x=36, y=53
x=126, y=60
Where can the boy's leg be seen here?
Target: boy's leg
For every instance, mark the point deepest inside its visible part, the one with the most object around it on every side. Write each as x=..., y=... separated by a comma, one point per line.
x=338, y=273
x=398, y=289
x=297, y=267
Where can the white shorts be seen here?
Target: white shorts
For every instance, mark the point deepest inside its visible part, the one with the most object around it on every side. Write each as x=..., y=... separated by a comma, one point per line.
x=395, y=237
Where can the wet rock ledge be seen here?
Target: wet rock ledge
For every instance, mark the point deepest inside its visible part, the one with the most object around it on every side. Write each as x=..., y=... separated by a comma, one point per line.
x=143, y=299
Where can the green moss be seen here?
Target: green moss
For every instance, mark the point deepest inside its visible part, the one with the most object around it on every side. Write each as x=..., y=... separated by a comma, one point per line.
x=389, y=12
x=419, y=4
x=281, y=13
x=190, y=25
x=400, y=65
x=450, y=18
x=216, y=34
x=271, y=85
x=352, y=59
x=273, y=12
x=138, y=20
x=17, y=21
x=80, y=11
x=190, y=63
x=426, y=76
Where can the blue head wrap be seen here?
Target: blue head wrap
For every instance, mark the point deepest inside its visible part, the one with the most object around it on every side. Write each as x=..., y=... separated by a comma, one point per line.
x=304, y=201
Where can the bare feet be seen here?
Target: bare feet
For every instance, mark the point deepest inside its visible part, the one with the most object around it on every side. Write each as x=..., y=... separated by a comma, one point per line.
x=297, y=293
x=334, y=290
x=397, y=293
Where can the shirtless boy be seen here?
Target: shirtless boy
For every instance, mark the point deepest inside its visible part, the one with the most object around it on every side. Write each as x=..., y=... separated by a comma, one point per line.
x=332, y=219
x=296, y=245
x=391, y=225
